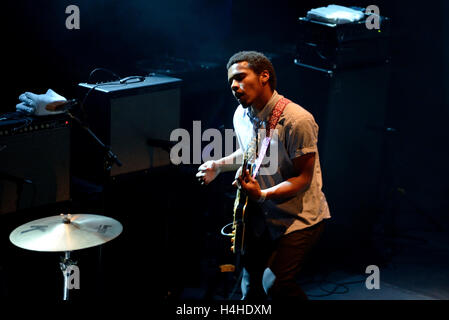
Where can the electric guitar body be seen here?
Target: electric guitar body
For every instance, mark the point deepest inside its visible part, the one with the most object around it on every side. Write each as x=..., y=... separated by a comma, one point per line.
x=242, y=208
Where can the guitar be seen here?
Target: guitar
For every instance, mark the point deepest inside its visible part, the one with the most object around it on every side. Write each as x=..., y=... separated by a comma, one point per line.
x=242, y=206
x=242, y=203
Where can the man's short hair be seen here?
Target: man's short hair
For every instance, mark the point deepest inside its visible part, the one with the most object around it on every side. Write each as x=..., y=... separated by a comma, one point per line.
x=257, y=62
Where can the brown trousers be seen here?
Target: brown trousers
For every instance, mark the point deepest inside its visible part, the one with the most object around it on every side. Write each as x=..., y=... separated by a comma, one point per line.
x=270, y=267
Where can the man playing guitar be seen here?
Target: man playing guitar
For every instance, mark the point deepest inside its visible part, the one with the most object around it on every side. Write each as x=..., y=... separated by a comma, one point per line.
x=291, y=205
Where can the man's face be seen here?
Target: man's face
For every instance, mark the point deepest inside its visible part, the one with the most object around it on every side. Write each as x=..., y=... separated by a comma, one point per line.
x=245, y=84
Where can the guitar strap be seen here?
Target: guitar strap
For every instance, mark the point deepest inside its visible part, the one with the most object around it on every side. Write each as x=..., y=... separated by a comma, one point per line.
x=274, y=118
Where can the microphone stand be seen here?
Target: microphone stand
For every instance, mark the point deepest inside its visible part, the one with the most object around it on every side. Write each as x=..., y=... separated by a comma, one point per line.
x=110, y=159
x=66, y=106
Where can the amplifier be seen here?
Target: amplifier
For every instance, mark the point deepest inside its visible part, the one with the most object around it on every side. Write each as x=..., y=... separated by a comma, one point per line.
x=126, y=116
x=34, y=161
x=330, y=46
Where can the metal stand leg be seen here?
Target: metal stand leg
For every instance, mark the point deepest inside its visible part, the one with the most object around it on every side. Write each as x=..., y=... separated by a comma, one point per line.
x=66, y=269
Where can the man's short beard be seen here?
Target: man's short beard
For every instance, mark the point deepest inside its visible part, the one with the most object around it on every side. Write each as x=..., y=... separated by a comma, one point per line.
x=245, y=105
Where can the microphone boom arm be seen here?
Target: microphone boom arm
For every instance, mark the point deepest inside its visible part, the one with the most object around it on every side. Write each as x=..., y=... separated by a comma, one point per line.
x=110, y=157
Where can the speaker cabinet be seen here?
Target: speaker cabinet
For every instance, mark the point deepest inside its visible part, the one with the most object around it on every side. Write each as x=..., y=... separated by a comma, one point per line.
x=34, y=162
x=126, y=116
x=350, y=108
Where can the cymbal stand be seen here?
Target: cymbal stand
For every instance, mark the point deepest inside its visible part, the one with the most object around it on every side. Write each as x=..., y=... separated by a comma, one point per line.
x=66, y=268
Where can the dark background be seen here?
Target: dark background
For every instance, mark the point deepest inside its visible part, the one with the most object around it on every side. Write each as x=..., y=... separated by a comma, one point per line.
x=193, y=40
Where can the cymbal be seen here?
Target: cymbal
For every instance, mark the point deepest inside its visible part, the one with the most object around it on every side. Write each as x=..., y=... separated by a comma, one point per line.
x=66, y=232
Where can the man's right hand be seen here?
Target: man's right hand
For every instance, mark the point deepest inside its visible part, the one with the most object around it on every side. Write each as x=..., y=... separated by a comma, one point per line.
x=207, y=172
